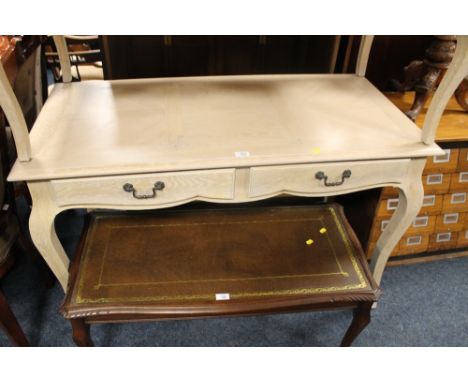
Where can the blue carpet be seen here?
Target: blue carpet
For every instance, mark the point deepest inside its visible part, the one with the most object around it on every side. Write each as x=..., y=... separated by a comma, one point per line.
x=421, y=305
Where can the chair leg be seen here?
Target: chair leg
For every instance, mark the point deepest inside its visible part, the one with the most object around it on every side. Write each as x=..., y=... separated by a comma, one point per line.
x=361, y=318
x=10, y=324
x=81, y=335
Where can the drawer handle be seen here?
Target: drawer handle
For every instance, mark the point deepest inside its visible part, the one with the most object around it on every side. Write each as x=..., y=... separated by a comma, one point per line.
x=321, y=175
x=158, y=186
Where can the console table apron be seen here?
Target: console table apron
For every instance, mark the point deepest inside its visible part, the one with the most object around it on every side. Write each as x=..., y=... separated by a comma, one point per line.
x=158, y=143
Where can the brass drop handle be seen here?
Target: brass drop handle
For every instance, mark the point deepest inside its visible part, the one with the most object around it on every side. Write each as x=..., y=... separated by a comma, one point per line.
x=158, y=186
x=321, y=175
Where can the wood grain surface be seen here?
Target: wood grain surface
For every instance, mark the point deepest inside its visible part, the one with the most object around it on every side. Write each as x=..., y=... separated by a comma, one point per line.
x=133, y=126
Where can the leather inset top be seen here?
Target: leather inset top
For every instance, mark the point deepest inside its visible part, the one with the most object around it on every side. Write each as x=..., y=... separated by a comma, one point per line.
x=201, y=256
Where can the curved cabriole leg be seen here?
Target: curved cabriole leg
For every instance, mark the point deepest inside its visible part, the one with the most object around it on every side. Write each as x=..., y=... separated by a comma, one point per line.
x=81, y=335
x=361, y=318
x=461, y=94
x=41, y=226
x=409, y=204
x=457, y=70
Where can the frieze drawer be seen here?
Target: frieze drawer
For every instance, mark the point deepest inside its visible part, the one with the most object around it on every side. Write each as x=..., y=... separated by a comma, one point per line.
x=323, y=179
x=146, y=189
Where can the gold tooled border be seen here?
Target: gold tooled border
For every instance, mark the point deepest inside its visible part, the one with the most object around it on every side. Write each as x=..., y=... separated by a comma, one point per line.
x=290, y=292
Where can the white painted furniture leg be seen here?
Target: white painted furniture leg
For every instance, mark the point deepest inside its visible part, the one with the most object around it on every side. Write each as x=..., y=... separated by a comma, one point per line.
x=42, y=229
x=64, y=58
x=410, y=202
x=457, y=70
x=363, y=55
x=14, y=114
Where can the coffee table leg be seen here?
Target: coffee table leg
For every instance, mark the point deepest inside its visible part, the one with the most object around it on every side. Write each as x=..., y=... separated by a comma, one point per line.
x=81, y=335
x=361, y=318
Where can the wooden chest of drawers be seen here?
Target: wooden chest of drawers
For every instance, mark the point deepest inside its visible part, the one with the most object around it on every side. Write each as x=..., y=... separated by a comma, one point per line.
x=442, y=222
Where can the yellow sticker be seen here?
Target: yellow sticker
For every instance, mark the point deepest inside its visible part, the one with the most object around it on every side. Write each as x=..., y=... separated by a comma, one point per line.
x=316, y=150
x=323, y=230
x=309, y=242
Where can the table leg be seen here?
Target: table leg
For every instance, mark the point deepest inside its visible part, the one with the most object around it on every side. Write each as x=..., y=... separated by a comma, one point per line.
x=81, y=332
x=409, y=204
x=42, y=229
x=361, y=318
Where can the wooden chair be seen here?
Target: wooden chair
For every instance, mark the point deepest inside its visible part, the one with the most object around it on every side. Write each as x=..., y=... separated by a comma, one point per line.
x=9, y=236
x=7, y=319
x=22, y=61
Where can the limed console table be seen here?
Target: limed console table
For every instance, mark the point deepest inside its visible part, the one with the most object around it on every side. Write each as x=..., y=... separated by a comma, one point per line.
x=159, y=143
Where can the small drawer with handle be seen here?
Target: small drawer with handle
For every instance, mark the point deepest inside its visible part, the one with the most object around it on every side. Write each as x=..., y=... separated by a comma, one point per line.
x=462, y=240
x=436, y=183
x=414, y=243
x=459, y=181
x=432, y=205
x=463, y=160
x=420, y=224
x=450, y=221
x=324, y=178
x=444, y=163
x=387, y=207
x=455, y=202
x=146, y=189
x=442, y=240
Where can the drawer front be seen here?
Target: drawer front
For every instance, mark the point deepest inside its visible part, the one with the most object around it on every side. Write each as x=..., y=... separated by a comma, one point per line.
x=377, y=229
x=324, y=178
x=178, y=187
x=442, y=240
x=421, y=224
x=445, y=163
x=462, y=240
x=410, y=244
x=432, y=205
x=436, y=183
x=450, y=221
x=455, y=202
x=387, y=207
x=459, y=181
x=463, y=160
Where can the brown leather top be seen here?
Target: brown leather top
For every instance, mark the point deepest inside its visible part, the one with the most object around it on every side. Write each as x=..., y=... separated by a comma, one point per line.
x=201, y=259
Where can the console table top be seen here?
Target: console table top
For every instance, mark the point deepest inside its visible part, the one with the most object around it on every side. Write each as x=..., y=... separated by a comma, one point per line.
x=98, y=128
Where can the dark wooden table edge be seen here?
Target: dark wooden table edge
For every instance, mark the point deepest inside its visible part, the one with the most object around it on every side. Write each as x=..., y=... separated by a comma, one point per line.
x=147, y=311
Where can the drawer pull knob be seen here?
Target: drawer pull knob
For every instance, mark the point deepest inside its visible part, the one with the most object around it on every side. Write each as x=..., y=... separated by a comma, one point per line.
x=321, y=175
x=158, y=186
